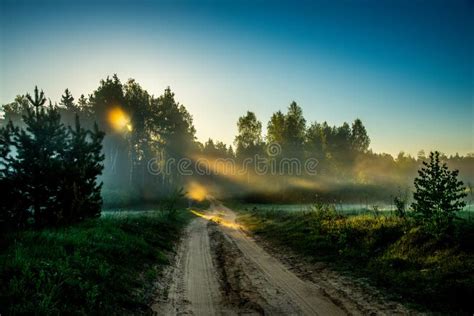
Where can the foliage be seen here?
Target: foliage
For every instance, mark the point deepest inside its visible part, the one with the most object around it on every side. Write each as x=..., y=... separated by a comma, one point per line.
x=359, y=139
x=294, y=131
x=401, y=201
x=438, y=196
x=160, y=128
x=390, y=252
x=13, y=210
x=173, y=202
x=67, y=100
x=217, y=149
x=15, y=110
x=400, y=206
x=248, y=142
x=276, y=128
x=83, y=158
x=50, y=169
x=324, y=211
x=105, y=266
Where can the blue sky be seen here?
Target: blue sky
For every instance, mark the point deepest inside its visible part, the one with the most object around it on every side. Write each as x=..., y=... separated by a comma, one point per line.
x=404, y=67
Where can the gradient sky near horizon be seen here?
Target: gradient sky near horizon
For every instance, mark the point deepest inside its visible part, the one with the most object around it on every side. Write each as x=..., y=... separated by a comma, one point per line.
x=404, y=67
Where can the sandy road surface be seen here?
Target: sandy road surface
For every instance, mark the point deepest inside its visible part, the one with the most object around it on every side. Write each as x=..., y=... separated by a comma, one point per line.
x=220, y=270
x=306, y=296
x=194, y=287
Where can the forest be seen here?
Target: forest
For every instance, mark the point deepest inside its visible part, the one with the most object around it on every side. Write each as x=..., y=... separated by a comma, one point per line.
x=143, y=132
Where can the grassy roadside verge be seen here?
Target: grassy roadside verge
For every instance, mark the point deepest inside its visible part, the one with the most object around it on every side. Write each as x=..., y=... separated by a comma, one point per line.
x=101, y=266
x=391, y=253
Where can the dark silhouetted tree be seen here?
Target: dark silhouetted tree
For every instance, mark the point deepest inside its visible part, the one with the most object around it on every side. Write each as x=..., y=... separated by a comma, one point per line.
x=53, y=167
x=68, y=109
x=276, y=128
x=359, y=139
x=13, y=211
x=67, y=100
x=80, y=193
x=15, y=110
x=249, y=142
x=339, y=148
x=82, y=102
x=173, y=133
x=294, y=132
x=315, y=140
x=109, y=94
x=137, y=104
x=38, y=165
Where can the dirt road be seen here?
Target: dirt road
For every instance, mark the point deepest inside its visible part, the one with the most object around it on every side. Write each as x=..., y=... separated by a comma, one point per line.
x=220, y=270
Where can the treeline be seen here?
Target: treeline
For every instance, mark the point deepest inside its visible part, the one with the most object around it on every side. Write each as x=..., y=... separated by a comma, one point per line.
x=347, y=169
x=140, y=128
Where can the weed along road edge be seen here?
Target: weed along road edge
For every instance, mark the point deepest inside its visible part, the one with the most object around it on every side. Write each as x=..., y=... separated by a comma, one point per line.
x=220, y=270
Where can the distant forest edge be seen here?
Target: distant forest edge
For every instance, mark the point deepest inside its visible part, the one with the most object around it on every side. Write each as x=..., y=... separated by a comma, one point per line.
x=141, y=128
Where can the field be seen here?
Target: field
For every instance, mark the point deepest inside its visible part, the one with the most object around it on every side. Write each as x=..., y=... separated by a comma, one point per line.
x=343, y=208
x=107, y=265
x=392, y=253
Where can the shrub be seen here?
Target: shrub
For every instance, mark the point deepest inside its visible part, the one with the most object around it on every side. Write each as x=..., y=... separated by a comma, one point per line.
x=324, y=211
x=400, y=206
x=438, y=196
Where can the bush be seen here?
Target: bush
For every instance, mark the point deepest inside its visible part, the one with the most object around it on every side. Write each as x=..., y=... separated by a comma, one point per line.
x=400, y=201
x=438, y=196
x=400, y=206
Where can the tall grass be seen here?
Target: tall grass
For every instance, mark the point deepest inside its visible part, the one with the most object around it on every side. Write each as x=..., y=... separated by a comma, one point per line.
x=102, y=266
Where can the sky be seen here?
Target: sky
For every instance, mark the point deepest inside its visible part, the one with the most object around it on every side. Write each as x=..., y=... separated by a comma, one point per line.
x=405, y=68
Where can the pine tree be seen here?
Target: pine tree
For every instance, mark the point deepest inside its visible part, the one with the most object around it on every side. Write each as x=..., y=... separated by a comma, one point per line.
x=39, y=159
x=82, y=102
x=67, y=100
x=69, y=109
x=438, y=196
x=54, y=173
x=83, y=158
x=13, y=213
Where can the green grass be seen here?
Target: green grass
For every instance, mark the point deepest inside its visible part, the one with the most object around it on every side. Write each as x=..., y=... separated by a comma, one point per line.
x=102, y=266
x=340, y=208
x=392, y=253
